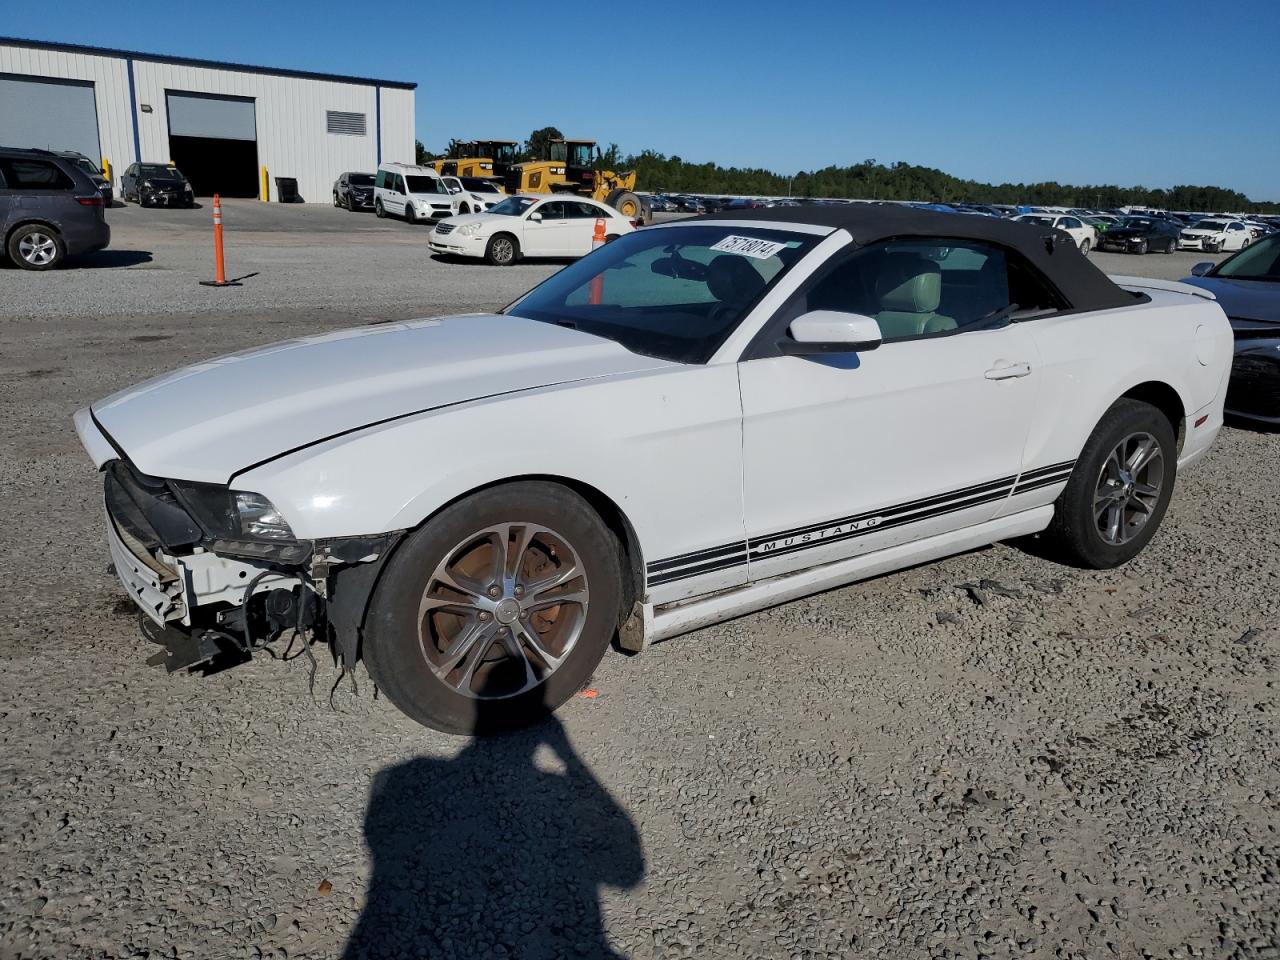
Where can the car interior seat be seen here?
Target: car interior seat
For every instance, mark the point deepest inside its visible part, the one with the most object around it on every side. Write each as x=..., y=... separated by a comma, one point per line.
x=733, y=281
x=909, y=289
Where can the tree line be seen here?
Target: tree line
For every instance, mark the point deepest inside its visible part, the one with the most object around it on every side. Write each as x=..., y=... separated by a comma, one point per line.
x=872, y=180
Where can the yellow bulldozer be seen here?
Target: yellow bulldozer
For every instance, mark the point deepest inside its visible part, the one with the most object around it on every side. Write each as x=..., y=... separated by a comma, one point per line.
x=568, y=168
x=477, y=158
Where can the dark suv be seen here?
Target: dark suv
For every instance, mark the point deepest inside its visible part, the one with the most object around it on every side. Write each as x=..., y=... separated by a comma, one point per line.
x=354, y=191
x=49, y=208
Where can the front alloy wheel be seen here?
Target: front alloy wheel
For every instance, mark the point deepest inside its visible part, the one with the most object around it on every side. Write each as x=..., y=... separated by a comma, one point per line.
x=497, y=610
x=503, y=610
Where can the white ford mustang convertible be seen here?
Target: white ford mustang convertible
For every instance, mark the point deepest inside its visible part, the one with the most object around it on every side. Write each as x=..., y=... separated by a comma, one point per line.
x=698, y=420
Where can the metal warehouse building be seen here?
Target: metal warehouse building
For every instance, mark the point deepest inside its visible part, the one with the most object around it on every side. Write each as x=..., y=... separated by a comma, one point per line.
x=221, y=123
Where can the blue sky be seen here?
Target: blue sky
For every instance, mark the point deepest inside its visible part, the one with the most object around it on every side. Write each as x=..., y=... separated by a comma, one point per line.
x=1181, y=91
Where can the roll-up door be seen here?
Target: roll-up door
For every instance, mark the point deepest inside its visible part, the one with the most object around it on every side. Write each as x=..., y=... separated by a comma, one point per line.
x=49, y=114
x=213, y=141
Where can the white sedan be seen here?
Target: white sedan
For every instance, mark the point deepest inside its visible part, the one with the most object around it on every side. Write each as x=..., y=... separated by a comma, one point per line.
x=528, y=225
x=1215, y=235
x=1084, y=235
x=701, y=419
x=473, y=194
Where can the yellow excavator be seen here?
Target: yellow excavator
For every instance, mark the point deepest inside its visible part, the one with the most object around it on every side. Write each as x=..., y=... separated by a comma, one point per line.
x=477, y=158
x=568, y=168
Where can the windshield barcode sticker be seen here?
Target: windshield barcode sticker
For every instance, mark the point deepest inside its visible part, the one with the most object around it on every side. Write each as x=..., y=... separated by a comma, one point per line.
x=748, y=247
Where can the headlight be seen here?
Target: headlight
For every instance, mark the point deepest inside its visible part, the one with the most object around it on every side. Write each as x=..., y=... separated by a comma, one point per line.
x=259, y=518
x=469, y=229
x=147, y=183
x=233, y=514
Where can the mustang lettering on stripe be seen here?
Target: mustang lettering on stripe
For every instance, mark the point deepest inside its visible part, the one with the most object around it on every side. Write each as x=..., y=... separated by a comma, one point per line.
x=727, y=556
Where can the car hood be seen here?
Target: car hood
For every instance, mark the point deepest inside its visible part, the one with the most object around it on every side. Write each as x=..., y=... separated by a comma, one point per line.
x=484, y=219
x=1201, y=232
x=1246, y=299
x=211, y=420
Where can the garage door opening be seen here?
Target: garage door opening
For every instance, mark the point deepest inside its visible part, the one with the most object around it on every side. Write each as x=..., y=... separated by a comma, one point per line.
x=214, y=142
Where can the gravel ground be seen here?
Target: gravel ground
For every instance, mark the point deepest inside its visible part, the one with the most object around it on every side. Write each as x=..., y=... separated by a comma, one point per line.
x=988, y=756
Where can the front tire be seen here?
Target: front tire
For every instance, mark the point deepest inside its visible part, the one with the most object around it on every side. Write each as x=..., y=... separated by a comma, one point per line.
x=502, y=250
x=1085, y=247
x=36, y=247
x=1172, y=248
x=1141, y=248
x=1119, y=489
x=378, y=209
x=497, y=610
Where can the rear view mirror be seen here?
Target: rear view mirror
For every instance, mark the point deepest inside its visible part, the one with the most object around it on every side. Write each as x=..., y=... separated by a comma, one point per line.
x=679, y=268
x=1200, y=269
x=829, y=331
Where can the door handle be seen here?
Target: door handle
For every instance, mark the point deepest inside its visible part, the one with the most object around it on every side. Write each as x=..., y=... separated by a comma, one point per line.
x=1008, y=370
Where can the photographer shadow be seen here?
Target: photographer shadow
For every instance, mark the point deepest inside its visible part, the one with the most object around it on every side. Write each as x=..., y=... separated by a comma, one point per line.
x=498, y=852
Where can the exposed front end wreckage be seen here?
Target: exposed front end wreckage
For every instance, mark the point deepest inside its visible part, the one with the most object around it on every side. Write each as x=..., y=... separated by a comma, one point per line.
x=219, y=575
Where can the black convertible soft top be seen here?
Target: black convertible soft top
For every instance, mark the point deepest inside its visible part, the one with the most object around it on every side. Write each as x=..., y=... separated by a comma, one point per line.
x=1084, y=285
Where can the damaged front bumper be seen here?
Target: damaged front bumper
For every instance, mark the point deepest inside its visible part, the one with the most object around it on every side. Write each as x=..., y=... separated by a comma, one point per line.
x=205, y=596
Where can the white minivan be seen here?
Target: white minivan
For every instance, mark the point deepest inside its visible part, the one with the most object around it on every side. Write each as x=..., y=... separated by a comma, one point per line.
x=415, y=193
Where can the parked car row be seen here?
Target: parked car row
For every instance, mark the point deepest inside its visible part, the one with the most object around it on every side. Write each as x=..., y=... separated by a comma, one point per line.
x=417, y=194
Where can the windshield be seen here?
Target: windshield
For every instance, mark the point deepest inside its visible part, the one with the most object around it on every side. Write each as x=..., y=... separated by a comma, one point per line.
x=479, y=185
x=157, y=171
x=580, y=155
x=1259, y=261
x=1210, y=225
x=425, y=185
x=361, y=179
x=504, y=153
x=512, y=206
x=1038, y=221
x=1135, y=223
x=87, y=166
x=674, y=293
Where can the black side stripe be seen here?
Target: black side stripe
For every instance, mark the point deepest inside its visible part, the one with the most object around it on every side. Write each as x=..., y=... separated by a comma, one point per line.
x=697, y=557
x=729, y=555
x=735, y=560
x=1044, y=477
x=940, y=498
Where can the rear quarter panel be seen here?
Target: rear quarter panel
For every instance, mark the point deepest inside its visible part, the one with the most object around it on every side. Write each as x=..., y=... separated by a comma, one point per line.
x=1089, y=360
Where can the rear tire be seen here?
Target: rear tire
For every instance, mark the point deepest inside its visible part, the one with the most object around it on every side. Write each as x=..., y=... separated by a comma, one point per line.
x=34, y=246
x=422, y=661
x=1079, y=534
x=502, y=250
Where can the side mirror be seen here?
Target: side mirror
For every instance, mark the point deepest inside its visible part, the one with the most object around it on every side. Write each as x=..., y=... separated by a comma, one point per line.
x=535, y=217
x=1200, y=269
x=455, y=189
x=829, y=331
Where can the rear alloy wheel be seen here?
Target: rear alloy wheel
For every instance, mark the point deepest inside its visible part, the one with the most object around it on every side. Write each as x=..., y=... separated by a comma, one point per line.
x=502, y=250
x=1119, y=489
x=497, y=610
x=36, y=247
